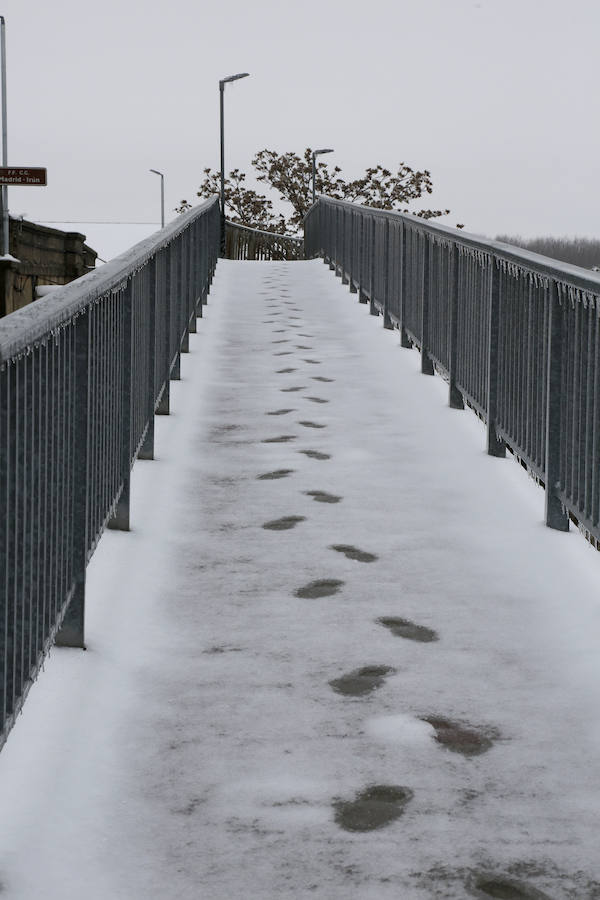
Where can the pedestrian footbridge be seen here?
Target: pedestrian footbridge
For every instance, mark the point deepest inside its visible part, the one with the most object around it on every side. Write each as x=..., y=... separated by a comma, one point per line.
x=332, y=649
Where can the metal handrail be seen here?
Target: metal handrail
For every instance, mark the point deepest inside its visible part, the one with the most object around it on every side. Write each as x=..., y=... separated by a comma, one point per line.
x=242, y=242
x=516, y=335
x=82, y=374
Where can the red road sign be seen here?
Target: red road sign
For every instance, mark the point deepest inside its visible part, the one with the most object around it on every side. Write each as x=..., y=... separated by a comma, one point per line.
x=22, y=176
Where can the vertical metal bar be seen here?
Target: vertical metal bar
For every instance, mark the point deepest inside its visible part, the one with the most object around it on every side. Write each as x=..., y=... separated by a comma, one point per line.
x=182, y=294
x=372, y=245
x=147, y=448
x=352, y=260
x=174, y=299
x=362, y=297
x=495, y=445
x=71, y=633
x=344, y=262
x=403, y=287
x=120, y=519
x=4, y=189
x=387, y=322
x=595, y=456
x=426, y=362
x=455, y=397
x=556, y=515
x=332, y=236
x=192, y=283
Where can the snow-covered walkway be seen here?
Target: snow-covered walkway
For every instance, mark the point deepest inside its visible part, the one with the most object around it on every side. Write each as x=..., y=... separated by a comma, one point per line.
x=334, y=611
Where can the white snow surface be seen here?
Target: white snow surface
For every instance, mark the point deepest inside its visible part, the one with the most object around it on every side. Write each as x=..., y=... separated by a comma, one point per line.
x=196, y=750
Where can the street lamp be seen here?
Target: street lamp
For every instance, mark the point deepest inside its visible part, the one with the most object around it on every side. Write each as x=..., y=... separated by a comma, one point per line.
x=222, y=84
x=4, y=189
x=162, y=196
x=314, y=168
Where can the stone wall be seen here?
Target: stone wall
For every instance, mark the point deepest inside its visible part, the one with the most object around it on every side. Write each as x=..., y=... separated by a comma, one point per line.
x=45, y=256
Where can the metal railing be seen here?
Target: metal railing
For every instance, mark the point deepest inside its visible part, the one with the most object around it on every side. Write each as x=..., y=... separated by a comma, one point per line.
x=250, y=243
x=82, y=374
x=515, y=334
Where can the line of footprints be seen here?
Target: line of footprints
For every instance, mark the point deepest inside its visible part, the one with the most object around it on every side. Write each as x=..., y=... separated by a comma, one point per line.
x=376, y=805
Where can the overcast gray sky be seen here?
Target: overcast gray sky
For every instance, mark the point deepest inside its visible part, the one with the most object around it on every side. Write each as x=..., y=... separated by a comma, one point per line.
x=497, y=98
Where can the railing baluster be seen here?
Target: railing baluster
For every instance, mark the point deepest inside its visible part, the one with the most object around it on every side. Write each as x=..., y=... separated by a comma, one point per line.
x=120, y=518
x=387, y=322
x=71, y=633
x=372, y=260
x=556, y=515
x=495, y=444
x=147, y=448
x=455, y=397
x=426, y=362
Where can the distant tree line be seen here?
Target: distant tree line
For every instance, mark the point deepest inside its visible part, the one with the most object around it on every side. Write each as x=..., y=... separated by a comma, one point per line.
x=578, y=251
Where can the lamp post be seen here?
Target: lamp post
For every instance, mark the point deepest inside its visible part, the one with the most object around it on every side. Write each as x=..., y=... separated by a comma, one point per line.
x=222, y=84
x=4, y=189
x=162, y=196
x=314, y=167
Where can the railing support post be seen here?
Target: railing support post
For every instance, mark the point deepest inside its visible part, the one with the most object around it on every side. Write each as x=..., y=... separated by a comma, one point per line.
x=120, y=518
x=174, y=313
x=362, y=297
x=147, y=448
x=72, y=629
x=343, y=258
x=405, y=341
x=372, y=308
x=495, y=444
x=556, y=515
x=352, y=261
x=387, y=322
x=426, y=363
x=455, y=398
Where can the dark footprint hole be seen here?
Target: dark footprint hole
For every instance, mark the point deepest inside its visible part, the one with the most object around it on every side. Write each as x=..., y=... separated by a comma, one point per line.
x=279, y=412
x=407, y=629
x=351, y=552
x=375, y=807
x=312, y=425
x=313, y=362
x=323, y=496
x=285, y=371
x=284, y=523
x=279, y=331
x=361, y=681
x=324, y=587
x=316, y=454
x=278, y=473
x=321, y=378
x=281, y=341
x=302, y=347
x=283, y=353
x=282, y=439
x=224, y=429
x=457, y=737
x=289, y=390
x=506, y=889
x=316, y=399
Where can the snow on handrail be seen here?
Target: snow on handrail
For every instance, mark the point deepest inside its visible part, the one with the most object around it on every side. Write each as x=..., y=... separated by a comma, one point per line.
x=25, y=327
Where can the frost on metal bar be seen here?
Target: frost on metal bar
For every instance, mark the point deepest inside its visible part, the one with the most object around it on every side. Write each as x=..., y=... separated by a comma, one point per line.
x=82, y=373
x=252, y=244
x=515, y=334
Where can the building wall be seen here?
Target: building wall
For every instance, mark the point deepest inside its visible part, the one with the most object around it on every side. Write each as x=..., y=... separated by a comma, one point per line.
x=46, y=256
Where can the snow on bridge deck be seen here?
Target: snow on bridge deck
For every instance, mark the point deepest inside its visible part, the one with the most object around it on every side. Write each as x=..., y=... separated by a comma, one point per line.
x=208, y=744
